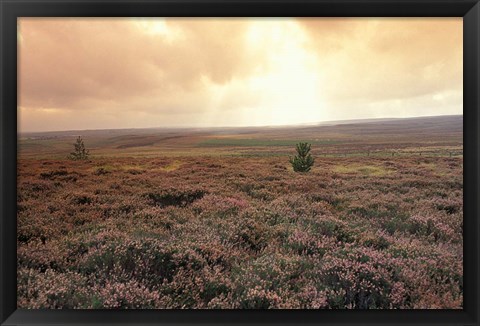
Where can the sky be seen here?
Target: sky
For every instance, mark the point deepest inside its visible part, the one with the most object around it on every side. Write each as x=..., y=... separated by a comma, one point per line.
x=103, y=73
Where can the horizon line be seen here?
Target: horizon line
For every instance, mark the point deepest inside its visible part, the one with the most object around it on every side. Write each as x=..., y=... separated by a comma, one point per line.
x=306, y=124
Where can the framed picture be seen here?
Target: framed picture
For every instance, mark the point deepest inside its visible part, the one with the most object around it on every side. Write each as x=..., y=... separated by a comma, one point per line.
x=207, y=162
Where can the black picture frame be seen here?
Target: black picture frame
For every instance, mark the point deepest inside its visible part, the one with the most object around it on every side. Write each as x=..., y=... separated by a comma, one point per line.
x=11, y=9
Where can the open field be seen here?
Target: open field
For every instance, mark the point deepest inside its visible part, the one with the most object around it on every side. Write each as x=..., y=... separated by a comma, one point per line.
x=197, y=218
x=438, y=136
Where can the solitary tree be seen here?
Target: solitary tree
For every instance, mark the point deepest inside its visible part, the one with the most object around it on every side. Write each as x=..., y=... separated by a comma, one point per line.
x=79, y=153
x=302, y=162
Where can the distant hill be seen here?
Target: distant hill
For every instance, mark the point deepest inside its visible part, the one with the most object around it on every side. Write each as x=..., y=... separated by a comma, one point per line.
x=432, y=133
x=418, y=125
x=451, y=122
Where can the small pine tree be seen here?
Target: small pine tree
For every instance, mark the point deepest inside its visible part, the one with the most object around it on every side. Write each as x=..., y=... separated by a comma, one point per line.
x=80, y=153
x=302, y=162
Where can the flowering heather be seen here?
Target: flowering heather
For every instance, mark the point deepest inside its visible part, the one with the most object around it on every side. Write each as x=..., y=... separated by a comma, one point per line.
x=240, y=232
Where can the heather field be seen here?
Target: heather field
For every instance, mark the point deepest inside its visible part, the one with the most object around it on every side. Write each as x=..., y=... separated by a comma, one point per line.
x=218, y=218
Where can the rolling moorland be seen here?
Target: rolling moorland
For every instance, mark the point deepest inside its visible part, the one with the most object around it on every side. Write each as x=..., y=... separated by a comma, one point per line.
x=217, y=218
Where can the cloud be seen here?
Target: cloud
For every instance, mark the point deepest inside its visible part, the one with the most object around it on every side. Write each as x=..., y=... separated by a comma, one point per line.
x=83, y=73
x=387, y=58
x=72, y=62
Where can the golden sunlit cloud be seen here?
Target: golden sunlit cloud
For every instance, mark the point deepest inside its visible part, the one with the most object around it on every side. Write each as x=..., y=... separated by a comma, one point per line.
x=98, y=73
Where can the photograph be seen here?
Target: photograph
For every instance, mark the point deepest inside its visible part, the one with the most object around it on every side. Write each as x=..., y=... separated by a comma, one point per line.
x=240, y=163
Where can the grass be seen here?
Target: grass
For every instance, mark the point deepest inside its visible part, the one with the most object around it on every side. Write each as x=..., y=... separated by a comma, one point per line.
x=175, y=165
x=370, y=170
x=223, y=232
x=251, y=142
x=221, y=221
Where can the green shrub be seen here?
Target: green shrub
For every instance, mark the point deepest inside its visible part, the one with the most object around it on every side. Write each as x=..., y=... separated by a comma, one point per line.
x=80, y=152
x=302, y=162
